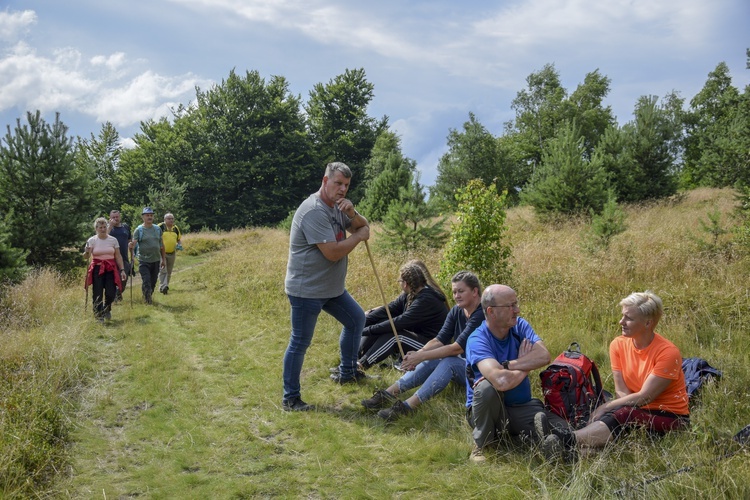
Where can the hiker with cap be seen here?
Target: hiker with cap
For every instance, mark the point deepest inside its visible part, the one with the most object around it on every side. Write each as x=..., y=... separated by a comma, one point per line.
x=499, y=356
x=650, y=387
x=121, y=232
x=149, y=249
x=316, y=275
x=171, y=236
x=106, y=271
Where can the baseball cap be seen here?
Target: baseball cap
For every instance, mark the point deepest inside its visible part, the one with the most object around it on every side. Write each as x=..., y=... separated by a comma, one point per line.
x=147, y=210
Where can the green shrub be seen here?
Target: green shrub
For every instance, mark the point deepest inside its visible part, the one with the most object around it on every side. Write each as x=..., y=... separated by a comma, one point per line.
x=477, y=241
x=604, y=226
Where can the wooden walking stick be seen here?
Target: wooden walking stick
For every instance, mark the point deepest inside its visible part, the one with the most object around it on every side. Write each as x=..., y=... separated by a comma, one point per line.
x=385, y=303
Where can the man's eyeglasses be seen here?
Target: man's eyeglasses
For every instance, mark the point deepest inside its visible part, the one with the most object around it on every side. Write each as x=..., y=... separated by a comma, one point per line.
x=513, y=305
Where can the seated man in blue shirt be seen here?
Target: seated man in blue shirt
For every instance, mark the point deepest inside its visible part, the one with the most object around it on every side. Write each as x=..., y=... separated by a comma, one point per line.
x=500, y=354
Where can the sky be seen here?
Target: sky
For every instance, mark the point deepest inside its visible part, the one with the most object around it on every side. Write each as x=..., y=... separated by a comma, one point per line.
x=431, y=62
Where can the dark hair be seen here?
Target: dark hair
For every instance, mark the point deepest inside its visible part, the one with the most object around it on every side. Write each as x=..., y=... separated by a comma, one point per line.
x=430, y=280
x=471, y=279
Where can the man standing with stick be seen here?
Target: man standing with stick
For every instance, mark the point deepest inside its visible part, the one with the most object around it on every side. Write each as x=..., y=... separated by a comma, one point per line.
x=316, y=275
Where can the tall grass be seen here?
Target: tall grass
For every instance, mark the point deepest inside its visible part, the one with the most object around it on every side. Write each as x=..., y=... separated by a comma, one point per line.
x=182, y=400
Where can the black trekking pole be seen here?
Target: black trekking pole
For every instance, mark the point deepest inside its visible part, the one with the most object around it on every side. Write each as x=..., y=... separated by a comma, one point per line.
x=131, y=278
x=742, y=438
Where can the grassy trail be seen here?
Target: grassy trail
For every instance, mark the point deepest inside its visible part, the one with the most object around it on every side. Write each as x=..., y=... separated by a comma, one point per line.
x=183, y=398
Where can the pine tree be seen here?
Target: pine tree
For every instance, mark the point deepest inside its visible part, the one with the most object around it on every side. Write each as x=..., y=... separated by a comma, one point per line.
x=45, y=197
x=411, y=223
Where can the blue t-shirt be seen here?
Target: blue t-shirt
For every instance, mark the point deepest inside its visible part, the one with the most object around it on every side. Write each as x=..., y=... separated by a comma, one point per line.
x=483, y=345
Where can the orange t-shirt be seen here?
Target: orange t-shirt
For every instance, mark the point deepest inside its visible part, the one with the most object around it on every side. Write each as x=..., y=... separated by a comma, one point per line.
x=661, y=358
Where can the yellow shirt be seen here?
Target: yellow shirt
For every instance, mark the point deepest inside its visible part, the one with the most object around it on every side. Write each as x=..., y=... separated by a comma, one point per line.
x=169, y=238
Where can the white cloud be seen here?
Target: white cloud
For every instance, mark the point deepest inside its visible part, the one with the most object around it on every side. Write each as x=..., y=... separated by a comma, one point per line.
x=13, y=24
x=112, y=62
x=148, y=95
x=103, y=86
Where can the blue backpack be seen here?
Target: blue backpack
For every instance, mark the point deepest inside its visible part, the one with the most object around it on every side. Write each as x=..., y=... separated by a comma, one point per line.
x=697, y=371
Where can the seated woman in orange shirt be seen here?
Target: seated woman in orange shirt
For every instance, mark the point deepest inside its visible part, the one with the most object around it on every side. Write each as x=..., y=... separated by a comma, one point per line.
x=649, y=383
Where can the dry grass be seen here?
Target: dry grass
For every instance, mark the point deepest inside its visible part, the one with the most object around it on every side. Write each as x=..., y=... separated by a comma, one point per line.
x=182, y=400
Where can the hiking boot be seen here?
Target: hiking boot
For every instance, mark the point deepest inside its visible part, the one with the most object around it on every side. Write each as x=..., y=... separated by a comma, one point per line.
x=541, y=426
x=356, y=378
x=477, y=455
x=552, y=447
x=164, y=290
x=148, y=299
x=379, y=399
x=295, y=404
x=398, y=410
x=107, y=315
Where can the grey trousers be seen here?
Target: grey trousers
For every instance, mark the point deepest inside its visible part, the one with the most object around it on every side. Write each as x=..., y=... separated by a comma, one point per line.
x=492, y=420
x=165, y=274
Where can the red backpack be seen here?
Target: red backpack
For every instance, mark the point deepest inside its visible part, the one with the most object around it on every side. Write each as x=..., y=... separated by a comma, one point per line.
x=572, y=386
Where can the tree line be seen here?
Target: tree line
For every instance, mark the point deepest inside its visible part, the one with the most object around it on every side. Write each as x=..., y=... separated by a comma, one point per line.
x=246, y=151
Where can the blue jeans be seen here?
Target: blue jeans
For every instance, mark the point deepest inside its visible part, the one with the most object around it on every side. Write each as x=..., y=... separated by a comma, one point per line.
x=304, y=314
x=434, y=375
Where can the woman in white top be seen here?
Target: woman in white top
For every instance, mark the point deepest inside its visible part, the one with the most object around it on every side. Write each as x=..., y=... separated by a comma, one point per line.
x=106, y=270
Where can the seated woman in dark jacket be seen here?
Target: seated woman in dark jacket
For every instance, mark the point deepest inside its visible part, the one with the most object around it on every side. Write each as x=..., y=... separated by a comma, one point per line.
x=418, y=314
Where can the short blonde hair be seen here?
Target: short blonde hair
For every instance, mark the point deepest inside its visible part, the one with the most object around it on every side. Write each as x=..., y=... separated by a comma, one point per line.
x=649, y=304
x=100, y=220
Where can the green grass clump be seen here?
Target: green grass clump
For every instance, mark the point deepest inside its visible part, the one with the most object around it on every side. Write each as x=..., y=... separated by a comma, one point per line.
x=183, y=399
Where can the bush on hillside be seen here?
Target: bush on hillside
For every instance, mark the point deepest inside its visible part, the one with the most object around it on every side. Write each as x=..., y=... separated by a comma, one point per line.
x=478, y=242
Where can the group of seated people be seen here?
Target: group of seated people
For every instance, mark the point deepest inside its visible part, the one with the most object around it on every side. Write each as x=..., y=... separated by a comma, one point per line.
x=483, y=344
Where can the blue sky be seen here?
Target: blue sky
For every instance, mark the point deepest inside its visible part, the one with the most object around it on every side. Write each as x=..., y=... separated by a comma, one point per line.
x=431, y=62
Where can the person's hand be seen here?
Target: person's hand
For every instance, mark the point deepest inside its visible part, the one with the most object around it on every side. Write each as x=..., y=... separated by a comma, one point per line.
x=410, y=361
x=363, y=233
x=162, y=264
x=347, y=207
x=524, y=348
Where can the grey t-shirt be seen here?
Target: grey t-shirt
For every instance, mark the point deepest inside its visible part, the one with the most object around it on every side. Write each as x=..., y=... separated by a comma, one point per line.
x=308, y=273
x=149, y=243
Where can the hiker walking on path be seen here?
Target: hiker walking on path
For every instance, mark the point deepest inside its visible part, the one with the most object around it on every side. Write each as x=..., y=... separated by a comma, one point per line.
x=441, y=359
x=500, y=354
x=316, y=275
x=418, y=313
x=106, y=271
x=649, y=383
x=171, y=236
x=150, y=253
x=121, y=232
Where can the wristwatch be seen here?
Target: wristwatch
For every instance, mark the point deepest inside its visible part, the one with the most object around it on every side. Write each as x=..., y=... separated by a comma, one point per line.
x=506, y=364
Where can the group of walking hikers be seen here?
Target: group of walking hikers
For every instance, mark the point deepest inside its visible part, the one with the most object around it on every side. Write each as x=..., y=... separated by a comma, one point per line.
x=482, y=343
x=111, y=255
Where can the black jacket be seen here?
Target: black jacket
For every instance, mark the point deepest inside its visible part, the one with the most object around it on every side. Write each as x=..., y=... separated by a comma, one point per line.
x=424, y=316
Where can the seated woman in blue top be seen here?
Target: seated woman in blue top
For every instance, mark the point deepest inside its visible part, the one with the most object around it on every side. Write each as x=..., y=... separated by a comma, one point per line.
x=418, y=314
x=442, y=359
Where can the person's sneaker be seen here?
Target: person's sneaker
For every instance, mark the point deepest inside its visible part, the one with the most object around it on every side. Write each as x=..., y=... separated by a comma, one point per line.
x=477, y=455
x=379, y=399
x=339, y=379
x=295, y=404
x=399, y=409
x=552, y=447
x=108, y=315
x=541, y=426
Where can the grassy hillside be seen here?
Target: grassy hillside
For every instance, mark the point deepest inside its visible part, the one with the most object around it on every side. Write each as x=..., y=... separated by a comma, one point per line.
x=183, y=399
